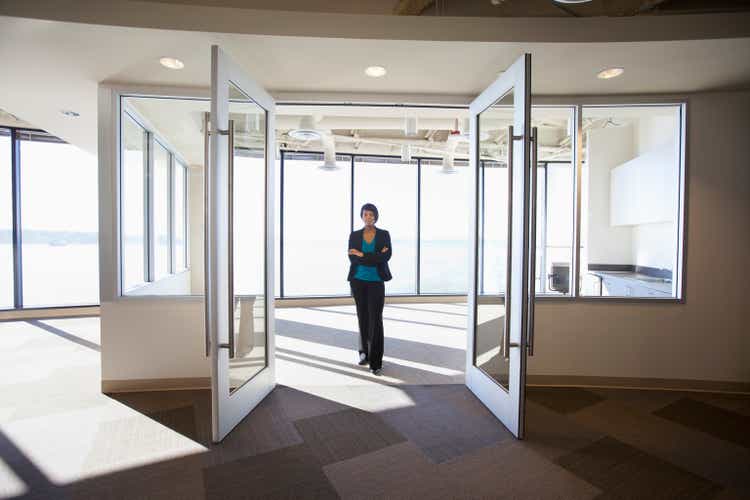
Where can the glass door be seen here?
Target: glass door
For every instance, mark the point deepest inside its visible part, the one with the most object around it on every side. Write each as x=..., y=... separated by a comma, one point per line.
x=502, y=250
x=239, y=243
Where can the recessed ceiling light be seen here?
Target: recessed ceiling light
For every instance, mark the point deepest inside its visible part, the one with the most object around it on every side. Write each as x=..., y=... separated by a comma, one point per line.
x=375, y=71
x=608, y=73
x=171, y=63
x=70, y=113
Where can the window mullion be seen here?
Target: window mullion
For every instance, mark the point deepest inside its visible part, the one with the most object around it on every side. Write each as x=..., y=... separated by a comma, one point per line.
x=15, y=148
x=150, y=251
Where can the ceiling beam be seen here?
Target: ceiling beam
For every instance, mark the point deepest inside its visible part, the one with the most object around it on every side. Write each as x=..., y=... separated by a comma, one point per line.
x=412, y=7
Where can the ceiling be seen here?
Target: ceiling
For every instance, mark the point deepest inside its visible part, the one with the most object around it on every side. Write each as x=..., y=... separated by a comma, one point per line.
x=49, y=66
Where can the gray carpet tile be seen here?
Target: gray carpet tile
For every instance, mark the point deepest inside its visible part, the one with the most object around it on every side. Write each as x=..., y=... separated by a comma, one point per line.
x=718, y=422
x=292, y=472
x=622, y=471
x=552, y=434
x=296, y=404
x=563, y=399
x=449, y=423
x=345, y=434
x=180, y=420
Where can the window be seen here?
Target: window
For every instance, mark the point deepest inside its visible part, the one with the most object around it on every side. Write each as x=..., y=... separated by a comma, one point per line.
x=493, y=223
x=132, y=210
x=317, y=222
x=631, y=201
x=6, y=221
x=180, y=216
x=391, y=186
x=59, y=200
x=161, y=211
x=444, y=230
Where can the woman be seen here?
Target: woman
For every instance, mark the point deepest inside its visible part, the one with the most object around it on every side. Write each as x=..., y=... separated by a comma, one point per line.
x=369, y=253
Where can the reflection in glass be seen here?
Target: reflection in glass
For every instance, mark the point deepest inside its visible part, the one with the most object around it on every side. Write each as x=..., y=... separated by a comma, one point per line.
x=133, y=203
x=6, y=222
x=630, y=201
x=493, y=239
x=59, y=226
x=317, y=222
x=161, y=211
x=444, y=212
x=248, y=239
x=390, y=185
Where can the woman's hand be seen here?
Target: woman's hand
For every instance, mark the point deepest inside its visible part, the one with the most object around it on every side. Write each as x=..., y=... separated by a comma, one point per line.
x=354, y=251
x=385, y=249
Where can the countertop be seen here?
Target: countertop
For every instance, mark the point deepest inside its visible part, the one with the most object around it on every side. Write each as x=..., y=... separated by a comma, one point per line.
x=659, y=284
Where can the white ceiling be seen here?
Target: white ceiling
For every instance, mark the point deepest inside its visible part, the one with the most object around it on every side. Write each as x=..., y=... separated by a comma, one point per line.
x=49, y=66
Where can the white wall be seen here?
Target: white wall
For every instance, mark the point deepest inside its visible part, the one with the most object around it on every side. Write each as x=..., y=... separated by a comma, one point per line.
x=173, y=284
x=706, y=337
x=654, y=245
x=607, y=149
x=196, y=228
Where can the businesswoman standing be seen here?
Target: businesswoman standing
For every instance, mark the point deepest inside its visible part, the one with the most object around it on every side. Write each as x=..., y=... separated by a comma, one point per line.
x=369, y=253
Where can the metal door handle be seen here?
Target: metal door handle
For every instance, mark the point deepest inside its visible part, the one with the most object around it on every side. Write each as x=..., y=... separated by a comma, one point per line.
x=532, y=244
x=206, y=149
x=230, y=236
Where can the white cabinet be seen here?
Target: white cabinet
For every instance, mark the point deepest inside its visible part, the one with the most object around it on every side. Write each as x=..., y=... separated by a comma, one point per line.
x=644, y=189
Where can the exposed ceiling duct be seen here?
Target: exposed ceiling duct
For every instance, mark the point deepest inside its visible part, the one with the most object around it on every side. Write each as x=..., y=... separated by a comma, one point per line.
x=307, y=130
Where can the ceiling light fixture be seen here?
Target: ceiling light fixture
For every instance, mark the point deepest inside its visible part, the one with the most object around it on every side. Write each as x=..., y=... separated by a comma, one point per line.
x=375, y=71
x=306, y=130
x=70, y=113
x=171, y=63
x=608, y=73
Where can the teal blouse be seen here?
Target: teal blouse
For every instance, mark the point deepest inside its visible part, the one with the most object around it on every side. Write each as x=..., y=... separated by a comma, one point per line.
x=367, y=273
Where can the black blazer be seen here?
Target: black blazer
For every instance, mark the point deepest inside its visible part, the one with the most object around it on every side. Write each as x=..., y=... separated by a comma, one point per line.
x=379, y=259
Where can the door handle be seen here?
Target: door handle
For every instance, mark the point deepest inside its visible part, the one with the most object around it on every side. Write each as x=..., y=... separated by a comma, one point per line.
x=230, y=235
x=532, y=244
x=206, y=149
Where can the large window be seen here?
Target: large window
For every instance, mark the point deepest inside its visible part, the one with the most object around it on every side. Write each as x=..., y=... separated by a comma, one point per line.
x=161, y=211
x=6, y=221
x=59, y=223
x=180, y=216
x=631, y=203
x=133, y=196
x=444, y=231
x=391, y=186
x=317, y=222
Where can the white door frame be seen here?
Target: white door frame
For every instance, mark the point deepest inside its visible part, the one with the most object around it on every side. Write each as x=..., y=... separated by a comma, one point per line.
x=228, y=409
x=508, y=406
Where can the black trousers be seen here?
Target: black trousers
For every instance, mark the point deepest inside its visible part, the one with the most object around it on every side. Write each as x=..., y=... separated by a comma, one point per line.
x=369, y=296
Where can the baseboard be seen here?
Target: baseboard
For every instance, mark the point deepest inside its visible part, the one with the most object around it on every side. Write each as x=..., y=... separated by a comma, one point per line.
x=155, y=384
x=662, y=384
x=49, y=313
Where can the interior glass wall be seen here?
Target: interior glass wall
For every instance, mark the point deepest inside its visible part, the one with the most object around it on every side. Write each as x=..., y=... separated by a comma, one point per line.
x=6, y=221
x=631, y=202
x=59, y=200
x=390, y=185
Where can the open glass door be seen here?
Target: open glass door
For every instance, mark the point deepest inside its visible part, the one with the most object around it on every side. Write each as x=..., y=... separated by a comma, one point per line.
x=239, y=244
x=502, y=256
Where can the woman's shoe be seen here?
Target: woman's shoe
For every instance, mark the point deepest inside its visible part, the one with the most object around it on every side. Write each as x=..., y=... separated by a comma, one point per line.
x=363, y=359
x=376, y=371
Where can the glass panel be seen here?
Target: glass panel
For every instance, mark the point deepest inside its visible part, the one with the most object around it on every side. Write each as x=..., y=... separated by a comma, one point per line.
x=59, y=201
x=630, y=201
x=248, y=238
x=391, y=186
x=555, y=199
x=133, y=201
x=6, y=222
x=317, y=223
x=493, y=241
x=444, y=212
x=161, y=211
x=180, y=220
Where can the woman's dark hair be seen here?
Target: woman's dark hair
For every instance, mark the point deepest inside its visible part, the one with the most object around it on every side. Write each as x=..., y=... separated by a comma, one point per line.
x=372, y=208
